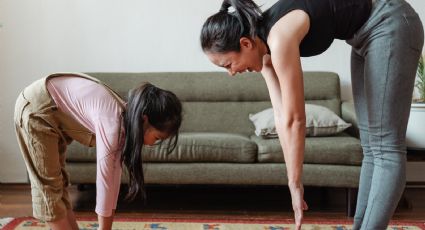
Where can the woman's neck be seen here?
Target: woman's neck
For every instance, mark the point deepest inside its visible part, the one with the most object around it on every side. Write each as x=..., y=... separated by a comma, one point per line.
x=263, y=49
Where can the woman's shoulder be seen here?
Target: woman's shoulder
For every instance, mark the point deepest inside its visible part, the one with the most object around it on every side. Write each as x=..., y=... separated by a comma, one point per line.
x=281, y=9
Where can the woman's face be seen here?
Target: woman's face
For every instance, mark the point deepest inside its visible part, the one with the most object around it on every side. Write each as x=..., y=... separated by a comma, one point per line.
x=152, y=135
x=249, y=58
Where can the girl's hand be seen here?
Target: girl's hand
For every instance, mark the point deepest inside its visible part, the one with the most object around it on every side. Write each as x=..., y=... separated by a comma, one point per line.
x=105, y=223
x=298, y=203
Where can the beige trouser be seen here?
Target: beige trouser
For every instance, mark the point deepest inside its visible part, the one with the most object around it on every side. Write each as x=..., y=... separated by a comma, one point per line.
x=43, y=134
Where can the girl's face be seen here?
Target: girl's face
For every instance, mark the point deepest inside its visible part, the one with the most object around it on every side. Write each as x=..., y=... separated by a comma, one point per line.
x=152, y=135
x=250, y=58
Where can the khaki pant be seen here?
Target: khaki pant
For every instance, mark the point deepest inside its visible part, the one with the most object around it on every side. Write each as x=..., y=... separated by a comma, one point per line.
x=43, y=134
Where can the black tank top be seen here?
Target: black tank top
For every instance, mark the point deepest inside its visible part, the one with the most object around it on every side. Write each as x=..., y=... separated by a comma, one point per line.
x=329, y=19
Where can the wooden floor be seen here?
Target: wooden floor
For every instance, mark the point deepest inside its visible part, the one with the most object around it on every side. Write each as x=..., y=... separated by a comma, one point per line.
x=214, y=202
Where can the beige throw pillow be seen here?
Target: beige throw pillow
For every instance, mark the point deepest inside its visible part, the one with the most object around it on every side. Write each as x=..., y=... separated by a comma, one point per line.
x=320, y=121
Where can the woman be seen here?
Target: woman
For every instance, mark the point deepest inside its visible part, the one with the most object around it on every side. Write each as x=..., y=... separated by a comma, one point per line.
x=57, y=109
x=386, y=38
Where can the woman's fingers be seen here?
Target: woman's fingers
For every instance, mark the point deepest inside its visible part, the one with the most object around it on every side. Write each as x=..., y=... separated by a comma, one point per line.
x=298, y=204
x=305, y=206
x=298, y=212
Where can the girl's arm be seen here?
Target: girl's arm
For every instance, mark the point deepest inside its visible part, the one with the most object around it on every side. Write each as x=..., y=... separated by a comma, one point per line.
x=105, y=222
x=285, y=83
x=108, y=173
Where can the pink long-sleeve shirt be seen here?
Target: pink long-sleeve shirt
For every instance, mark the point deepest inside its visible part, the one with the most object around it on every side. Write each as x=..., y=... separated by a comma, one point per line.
x=95, y=108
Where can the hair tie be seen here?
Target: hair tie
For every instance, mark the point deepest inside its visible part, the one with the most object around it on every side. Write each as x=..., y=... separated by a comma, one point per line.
x=225, y=7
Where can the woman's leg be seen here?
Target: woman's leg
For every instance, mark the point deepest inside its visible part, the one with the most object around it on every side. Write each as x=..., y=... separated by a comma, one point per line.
x=360, y=103
x=390, y=62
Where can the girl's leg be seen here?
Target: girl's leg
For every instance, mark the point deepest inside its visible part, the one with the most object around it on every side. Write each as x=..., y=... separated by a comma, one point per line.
x=72, y=220
x=67, y=223
x=62, y=224
x=42, y=148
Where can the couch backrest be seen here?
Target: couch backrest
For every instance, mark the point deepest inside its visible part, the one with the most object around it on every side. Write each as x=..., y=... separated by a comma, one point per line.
x=215, y=102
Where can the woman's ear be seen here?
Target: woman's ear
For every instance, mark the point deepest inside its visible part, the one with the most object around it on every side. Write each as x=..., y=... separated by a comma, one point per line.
x=246, y=42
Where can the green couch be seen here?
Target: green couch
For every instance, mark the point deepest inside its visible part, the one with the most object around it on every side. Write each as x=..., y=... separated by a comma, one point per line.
x=217, y=143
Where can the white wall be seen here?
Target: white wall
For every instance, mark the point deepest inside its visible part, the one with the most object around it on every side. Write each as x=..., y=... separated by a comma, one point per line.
x=38, y=37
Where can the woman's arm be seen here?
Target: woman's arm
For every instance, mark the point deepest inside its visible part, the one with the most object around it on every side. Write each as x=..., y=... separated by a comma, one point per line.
x=289, y=133
x=286, y=88
x=284, y=41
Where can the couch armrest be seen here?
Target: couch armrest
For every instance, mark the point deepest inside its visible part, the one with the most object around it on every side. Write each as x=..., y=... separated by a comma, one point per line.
x=349, y=115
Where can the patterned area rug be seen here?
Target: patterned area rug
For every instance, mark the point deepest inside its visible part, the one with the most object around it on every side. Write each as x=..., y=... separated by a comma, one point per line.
x=4, y=222
x=28, y=223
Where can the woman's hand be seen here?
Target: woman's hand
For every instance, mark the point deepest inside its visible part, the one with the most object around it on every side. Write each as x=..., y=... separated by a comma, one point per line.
x=298, y=203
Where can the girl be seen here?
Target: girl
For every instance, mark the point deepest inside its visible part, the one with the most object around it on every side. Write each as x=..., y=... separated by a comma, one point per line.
x=386, y=38
x=57, y=109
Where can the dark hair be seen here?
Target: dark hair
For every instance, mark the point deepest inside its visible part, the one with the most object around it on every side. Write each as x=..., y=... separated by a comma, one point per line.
x=164, y=112
x=222, y=31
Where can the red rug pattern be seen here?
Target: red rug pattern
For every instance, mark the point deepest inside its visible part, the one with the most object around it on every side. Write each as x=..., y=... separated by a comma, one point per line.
x=28, y=223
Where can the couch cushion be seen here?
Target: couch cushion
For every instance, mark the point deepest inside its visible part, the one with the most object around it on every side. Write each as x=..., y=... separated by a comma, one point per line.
x=207, y=147
x=214, y=102
x=77, y=152
x=218, y=86
x=342, y=149
x=220, y=117
x=192, y=147
x=344, y=176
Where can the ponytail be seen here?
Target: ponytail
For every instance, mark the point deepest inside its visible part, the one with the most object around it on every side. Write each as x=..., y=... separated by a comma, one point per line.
x=164, y=112
x=247, y=12
x=222, y=31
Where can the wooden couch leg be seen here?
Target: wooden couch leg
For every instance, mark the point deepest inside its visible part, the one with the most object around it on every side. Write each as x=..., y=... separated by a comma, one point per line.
x=351, y=201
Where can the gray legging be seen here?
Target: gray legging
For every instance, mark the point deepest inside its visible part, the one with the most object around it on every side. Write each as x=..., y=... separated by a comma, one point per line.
x=384, y=59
